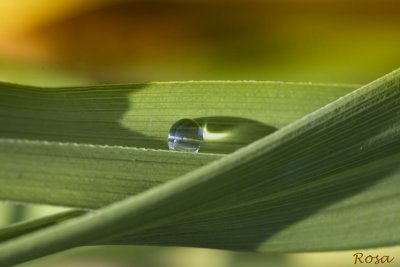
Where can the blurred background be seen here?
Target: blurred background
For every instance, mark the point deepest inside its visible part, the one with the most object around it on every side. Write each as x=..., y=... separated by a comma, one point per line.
x=61, y=42
x=73, y=42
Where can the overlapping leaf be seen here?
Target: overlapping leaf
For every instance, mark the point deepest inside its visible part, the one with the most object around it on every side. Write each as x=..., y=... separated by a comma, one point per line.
x=319, y=183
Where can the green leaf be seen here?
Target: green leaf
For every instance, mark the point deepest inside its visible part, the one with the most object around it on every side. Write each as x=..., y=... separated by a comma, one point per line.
x=86, y=176
x=328, y=181
x=140, y=115
x=91, y=176
x=21, y=228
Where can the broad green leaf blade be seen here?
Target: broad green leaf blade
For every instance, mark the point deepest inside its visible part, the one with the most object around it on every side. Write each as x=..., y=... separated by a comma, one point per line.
x=25, y=227
x=140, y=115
x=297, y=189
x=131, y=115
x=86, y=176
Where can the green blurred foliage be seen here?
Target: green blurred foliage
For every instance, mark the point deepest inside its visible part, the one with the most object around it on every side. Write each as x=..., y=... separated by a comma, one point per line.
x=132, y=256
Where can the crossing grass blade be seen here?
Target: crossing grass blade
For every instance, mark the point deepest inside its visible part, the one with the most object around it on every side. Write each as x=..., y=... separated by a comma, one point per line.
x=300, y=188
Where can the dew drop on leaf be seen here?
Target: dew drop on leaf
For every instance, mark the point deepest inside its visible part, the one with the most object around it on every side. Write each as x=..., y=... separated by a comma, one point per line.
x=185, y=135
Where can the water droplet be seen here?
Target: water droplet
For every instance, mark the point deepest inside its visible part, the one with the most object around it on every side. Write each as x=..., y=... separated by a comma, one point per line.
x=185, y=135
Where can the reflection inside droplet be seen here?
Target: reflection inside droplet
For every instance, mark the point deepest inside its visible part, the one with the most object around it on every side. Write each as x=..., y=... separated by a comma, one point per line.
x=185, y=135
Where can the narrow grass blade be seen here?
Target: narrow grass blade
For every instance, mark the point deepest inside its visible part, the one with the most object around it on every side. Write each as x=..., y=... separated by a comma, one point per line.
x=25, y=227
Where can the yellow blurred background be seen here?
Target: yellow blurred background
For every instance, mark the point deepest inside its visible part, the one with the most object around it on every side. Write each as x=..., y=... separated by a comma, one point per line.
x=98, y=41
x=72, y=42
